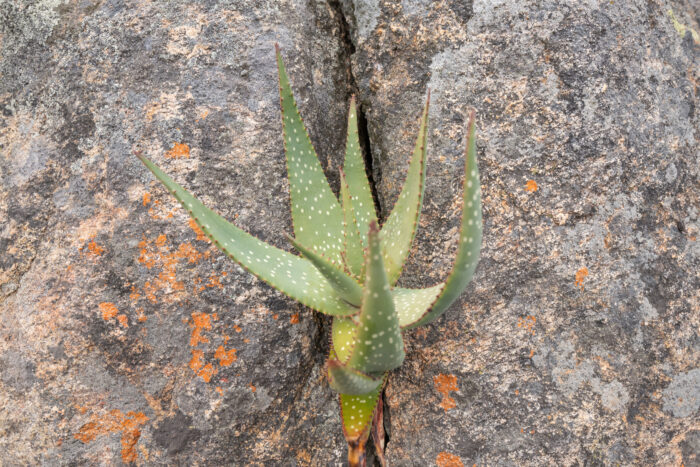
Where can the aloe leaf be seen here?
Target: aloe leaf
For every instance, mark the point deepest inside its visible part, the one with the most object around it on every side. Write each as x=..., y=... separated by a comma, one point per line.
x=469, y=237
x=343, y=337
x=316, y=213
x=345, y=286
x=412, y=304
x=290, y=274
x=356, y=176
x=400, y=228
x=356, y=413
x=346, y=380
x=378, y=346
x=354, y=251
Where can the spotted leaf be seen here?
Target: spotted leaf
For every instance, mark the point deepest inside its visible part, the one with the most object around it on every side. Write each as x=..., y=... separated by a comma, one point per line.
x=348, y=380
x=469, y=237
x=292, y=275
x=378, y=346
x=316, y=213
x=343, y=338
x=400, y=228
x=357, y=412
x=354, y=251
x=356, y=176
x=345, y=286
x=412, y=304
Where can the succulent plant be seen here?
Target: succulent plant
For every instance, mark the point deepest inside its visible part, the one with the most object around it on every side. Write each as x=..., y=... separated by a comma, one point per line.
x=349, y=266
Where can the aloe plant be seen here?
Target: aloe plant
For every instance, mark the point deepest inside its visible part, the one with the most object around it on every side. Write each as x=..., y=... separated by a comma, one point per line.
x=348, y=266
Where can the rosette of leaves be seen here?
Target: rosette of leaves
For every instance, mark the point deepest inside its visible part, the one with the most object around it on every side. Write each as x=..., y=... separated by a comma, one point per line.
x=348, y=265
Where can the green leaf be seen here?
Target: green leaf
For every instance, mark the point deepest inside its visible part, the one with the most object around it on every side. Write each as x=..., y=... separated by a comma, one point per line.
x=356, y=176
x=400, y=228
x=316, y=213
x=346, y=380
x=354, y=251
x=291, y=275
x=357, y=412
x=378, y=346
x=344, y=285
x=469, y=236
x=412, y=304
x=343, y=337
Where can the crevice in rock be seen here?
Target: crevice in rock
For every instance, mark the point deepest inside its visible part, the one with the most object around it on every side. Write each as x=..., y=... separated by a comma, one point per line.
x=373, y=173
x=348, y=49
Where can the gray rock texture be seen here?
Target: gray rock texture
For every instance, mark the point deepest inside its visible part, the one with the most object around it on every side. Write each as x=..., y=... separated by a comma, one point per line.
x=577, y=342
x=127, y=338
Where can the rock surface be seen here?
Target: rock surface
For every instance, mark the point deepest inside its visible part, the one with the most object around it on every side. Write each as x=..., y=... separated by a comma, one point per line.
x=577, y=342
x=126, y=337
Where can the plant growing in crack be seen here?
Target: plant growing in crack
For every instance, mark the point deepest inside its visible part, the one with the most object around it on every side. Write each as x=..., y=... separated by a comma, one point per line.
x=349, y=266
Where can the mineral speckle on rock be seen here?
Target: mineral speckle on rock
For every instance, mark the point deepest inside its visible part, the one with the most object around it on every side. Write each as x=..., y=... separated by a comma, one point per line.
x=127, y=338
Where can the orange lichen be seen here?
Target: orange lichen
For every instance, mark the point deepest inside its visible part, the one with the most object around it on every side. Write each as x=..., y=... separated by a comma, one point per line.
x=252, y=387
x=134, y=295
x=116, y=421
x=219, y=390
x=580, y=276
x=146, y=257
x=237, y=328
x=109, y=310
x=179, y=150
x=531, y=186
x=93, y=248
x=158, y=253
x=152, y=210
x=187, y=251
x=200, y=234
x=207, y=372
x=150, y=291
x=160, y=241
x=225, y=357
x=214, y=281
x=445, y=459
x=196, y=360
x=294, y=319
x=444, y=384
x=200, y=322
x=123, y=320
x=528, y=323
x=168, y=275
x=146, y=198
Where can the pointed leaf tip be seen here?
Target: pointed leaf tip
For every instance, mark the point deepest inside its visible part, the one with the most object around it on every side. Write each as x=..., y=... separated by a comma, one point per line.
x=470, y=234
x=316, y=212
x=356, y=175
x=400, y=228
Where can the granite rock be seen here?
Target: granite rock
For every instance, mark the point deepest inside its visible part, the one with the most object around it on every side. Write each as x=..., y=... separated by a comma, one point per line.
x=577, y=342
x=127, y=338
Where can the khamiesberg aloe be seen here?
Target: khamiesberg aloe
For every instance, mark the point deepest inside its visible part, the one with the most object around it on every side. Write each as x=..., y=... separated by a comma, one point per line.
x=348, y=265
